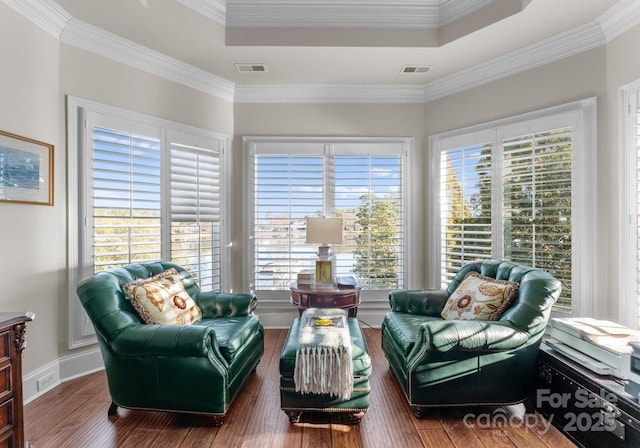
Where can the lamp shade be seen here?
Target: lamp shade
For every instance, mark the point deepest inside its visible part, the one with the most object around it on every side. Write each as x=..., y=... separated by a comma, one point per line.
x=324, y=230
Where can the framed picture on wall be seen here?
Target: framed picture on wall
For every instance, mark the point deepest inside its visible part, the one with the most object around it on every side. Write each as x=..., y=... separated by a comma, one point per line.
x=26, y=170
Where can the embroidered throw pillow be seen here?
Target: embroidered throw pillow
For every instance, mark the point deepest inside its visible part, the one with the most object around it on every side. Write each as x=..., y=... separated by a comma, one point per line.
x=480, y=298
x=162, y=299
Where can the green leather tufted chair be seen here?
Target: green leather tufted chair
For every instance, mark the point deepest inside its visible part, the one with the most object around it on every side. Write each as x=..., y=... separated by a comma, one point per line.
x=464, y=362
x=196, y=368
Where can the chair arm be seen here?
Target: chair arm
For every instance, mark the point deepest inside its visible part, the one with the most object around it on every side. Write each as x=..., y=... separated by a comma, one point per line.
x=216, y=304
x=166, y=340
x=418, y=301
x=468, y=335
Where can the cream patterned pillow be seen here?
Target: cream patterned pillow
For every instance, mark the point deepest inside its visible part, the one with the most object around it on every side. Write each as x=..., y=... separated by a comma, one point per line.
x=480, y=298
x=162, y=299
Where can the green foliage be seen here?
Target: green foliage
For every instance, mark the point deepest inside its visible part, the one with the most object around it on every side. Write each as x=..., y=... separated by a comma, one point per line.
x=537, y=195
x=376, y=249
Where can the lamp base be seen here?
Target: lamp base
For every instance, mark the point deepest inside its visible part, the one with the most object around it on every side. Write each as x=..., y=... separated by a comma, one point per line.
x=324, y=272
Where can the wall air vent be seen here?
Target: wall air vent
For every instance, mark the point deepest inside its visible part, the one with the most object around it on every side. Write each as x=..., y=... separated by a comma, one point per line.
x=414, y=69
x=247, y=68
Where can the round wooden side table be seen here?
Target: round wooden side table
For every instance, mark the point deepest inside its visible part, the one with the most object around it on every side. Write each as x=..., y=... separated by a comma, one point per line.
x=330, y=296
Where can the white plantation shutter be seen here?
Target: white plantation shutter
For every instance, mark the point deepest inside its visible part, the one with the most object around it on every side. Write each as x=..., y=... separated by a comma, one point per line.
x=196, y=212
x=521, y=189
x=465, y=207
x=126, y=201
x=368, y=194
x=629, y=263
x=293, y=180
x=537, y=208
x=286, y=189
x=634, y=113
x=155, y=194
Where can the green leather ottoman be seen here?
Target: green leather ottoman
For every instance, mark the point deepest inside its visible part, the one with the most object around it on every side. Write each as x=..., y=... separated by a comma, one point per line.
x=294, y=404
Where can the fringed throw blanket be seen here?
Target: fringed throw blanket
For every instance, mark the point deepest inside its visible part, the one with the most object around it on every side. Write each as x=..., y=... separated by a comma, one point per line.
x=323, y=361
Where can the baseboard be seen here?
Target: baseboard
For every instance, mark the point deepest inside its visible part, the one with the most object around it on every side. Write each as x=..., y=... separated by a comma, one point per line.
x=50, y=372
x=76, y=365
x=63, y=369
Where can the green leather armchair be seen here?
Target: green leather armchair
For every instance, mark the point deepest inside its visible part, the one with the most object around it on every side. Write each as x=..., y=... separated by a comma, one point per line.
x=468, y=362
x=196, y=368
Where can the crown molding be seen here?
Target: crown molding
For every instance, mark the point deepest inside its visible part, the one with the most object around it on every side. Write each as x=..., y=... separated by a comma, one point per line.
x=56, y=21
x=96, y=40
x=252, y=14
x=622, y=16
x=422, y=14
x=46, y=14
x=558, y=47
x=215, y=10
x=549, y=50
x=261, y=93
x=452, y=11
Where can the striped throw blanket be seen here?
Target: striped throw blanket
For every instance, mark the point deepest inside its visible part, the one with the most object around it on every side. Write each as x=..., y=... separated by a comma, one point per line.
x=323, y=361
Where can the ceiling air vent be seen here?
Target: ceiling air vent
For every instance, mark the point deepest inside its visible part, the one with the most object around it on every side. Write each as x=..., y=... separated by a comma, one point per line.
x=247, y=68
x=414, y=69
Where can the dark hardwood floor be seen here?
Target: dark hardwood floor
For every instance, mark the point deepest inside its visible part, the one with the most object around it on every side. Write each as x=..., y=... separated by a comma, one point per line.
x=74, y=414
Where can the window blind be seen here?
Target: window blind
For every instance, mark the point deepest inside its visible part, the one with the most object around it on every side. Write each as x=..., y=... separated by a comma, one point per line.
x=126, y=201
x=629, y=238
x=196, y=213
x=542, y=166
x=287, y=188
x=537, y=210
x=465, y=207
x=634, y=109
x=368, y=195
x=361, y=182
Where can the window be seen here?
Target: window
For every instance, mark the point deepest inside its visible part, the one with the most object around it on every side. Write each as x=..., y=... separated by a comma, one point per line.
x=362, y=181
x=196, y=209
x=124, y=200
x=536, y=203
x=516, y=190
x=629, y=263
x=465, y=207
x=147, y=190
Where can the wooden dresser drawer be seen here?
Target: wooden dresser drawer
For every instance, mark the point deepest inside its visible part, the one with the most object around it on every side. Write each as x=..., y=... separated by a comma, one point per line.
x=6, y=440
x=6, y=416
x=6, y=386
x=12, y=343
x=5, y=348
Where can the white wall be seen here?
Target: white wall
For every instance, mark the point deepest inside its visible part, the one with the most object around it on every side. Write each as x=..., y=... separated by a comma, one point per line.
x=33, y=247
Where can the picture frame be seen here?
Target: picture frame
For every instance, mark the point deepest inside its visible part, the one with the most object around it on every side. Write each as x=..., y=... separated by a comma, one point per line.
x=26, y=170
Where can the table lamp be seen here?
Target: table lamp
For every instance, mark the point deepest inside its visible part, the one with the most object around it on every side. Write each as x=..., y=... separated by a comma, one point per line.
x=324, y=231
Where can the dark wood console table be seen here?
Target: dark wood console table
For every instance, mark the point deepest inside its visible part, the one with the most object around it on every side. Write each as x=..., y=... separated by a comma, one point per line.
x=12, y=343
x=309, y=296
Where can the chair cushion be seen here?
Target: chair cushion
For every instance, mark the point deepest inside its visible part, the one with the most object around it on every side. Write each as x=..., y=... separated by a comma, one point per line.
x=404, y=327
x=480, y=298
x=162, y=299
x=233, y=333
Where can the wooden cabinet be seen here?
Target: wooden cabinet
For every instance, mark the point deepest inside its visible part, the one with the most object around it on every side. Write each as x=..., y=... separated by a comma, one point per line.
x=304, y=297
x=12, y=343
